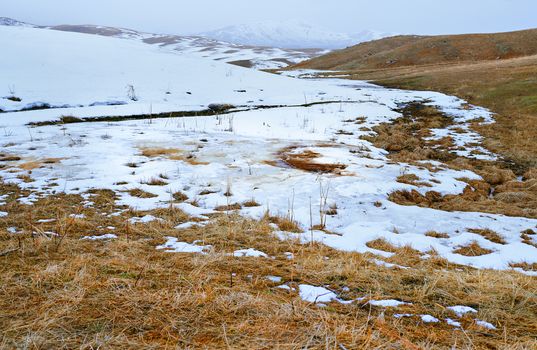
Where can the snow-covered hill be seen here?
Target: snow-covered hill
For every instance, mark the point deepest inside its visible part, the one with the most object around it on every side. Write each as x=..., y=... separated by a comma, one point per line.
x=243, y=55
x=290, y=34
x=258, y=57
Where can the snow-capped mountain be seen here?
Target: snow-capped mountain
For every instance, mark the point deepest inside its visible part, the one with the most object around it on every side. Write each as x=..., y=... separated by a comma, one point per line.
x=10, y=22
x=290, y=34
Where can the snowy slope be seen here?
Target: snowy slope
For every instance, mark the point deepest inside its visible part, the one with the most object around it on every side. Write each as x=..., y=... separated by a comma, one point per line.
x=248, y=56
x=290, y=34
x=237, y=155
x=258, y=57
x=162, y=79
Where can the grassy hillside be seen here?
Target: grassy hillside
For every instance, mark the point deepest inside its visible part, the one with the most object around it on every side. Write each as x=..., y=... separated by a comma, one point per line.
x=497, y=71
x=402, y=51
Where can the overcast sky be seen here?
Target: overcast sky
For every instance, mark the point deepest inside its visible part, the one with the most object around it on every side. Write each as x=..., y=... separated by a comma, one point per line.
x=191, y=16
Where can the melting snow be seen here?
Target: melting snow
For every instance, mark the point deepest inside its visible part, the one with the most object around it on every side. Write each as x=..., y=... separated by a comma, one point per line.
x=485, y=324
x=314, y=294
x=100, y=238
x=460, y=310
x=174, y=246
x=250, y=252
x=429, y=319
x=387, y=303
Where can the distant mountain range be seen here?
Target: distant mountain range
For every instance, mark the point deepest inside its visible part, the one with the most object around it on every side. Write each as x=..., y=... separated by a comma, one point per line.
x=291, y=34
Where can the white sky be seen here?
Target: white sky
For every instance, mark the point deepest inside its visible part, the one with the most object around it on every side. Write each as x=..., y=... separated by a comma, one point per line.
x=191, y=16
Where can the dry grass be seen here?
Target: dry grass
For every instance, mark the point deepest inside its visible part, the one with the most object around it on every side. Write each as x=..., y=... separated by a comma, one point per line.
x=435, y=234
x=251, y=203
x=285, y=223
x=154, y=181
x=179, y=196
x=305, y=160
x=67, y=293
x=404, y=139
x=157, y=152
x=489, y=234
x=139, y=193
x=229, y=207
x=412, y=179
x=472, y=249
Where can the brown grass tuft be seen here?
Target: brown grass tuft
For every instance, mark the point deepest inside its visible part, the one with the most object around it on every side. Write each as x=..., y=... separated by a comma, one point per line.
x=305, y=160
x=488, y=234
x=436, y=234
x=472, y=249
x=139, y=193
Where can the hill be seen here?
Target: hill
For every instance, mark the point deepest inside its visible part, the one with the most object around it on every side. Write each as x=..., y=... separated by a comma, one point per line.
x=401, y=51
x=258, y=57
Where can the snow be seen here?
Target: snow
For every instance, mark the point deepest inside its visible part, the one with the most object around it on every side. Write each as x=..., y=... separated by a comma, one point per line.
x=44, y=221
x=3, y=214
x=250, y=252
x=274, y=279
x=100, y=238
x=429, y=319
x=190, y=224
x=240, y=148
x=379, y=262
x=314, y=294
x=259, y=57
x=453, y=323
x=173, y=245
x=485, y=324
x=387, y=303
x=144, y=219
x=460, y=310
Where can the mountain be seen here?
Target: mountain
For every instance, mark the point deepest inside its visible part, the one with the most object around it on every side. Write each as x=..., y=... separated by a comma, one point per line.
x=10, y=22
x=402, y=51
x=242, y=55
x=289, y=34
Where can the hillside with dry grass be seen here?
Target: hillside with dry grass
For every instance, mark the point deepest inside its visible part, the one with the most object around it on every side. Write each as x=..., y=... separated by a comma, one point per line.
x=403, y=51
